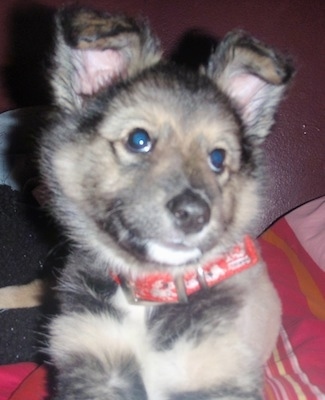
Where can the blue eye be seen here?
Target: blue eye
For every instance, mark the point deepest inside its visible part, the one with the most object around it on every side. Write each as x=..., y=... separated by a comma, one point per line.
x=139, y=141
x=216, y=159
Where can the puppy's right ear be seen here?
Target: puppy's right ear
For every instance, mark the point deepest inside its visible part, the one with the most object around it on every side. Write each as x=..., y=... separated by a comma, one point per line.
x=94, y=50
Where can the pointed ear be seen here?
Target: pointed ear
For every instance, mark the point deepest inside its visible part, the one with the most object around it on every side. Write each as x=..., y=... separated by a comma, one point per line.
x=94, y=50
x=253, y=76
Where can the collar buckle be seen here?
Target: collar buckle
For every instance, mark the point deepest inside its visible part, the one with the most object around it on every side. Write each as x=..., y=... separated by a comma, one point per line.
x=135, y=298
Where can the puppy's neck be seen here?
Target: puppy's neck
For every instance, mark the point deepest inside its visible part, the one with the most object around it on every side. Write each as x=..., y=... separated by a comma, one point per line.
x=163, y=287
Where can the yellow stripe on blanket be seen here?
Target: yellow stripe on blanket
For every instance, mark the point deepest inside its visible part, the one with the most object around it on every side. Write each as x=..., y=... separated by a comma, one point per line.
x=309, y=288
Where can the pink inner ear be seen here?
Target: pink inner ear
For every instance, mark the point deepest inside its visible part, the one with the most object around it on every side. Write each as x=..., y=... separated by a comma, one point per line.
x=248, y=93
x=95, y=69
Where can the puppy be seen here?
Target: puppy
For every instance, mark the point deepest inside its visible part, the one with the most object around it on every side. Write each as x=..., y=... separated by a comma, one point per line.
x=155, y=172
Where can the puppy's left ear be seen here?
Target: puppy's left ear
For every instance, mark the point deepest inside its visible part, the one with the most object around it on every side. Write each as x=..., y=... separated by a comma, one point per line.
x=253, y=76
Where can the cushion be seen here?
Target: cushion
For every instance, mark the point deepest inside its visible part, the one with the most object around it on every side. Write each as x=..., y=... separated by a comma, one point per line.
x=23, y=381
x=296, y=368
x=308, y=223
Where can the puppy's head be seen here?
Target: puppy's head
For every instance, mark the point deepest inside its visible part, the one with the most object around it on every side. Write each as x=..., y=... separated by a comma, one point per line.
x=150, y=165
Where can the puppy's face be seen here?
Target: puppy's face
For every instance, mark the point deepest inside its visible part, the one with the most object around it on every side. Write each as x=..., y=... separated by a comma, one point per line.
x=159, y=169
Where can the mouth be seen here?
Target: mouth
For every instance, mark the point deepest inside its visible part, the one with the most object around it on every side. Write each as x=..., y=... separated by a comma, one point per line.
x=172, y=253
x=167, y=252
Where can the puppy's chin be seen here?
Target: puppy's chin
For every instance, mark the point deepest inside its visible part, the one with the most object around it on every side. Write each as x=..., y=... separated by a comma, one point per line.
x=172, y=253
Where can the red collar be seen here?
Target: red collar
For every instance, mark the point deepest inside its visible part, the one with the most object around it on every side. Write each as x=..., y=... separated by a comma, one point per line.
x=163, y=287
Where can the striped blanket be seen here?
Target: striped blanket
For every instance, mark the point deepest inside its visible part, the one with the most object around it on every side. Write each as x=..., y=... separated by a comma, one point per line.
x=296, y=370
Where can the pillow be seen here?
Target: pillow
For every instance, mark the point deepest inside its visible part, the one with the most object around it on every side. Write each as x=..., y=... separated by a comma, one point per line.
x=308, y=224
x=23, y=381
x=296, y=369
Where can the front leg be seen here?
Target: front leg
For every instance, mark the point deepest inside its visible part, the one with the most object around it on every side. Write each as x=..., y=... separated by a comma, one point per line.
x=91, y=365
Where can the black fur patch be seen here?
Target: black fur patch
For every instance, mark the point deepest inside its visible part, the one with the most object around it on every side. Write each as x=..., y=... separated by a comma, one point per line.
x=74, y=22
x=123, y=234
x=206, y=312
x=91, y=117
x=248, y=156
x=90, y=293
x=85, y=377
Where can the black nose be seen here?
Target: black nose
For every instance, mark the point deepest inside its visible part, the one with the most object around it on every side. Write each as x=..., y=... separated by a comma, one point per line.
x=190, y=211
